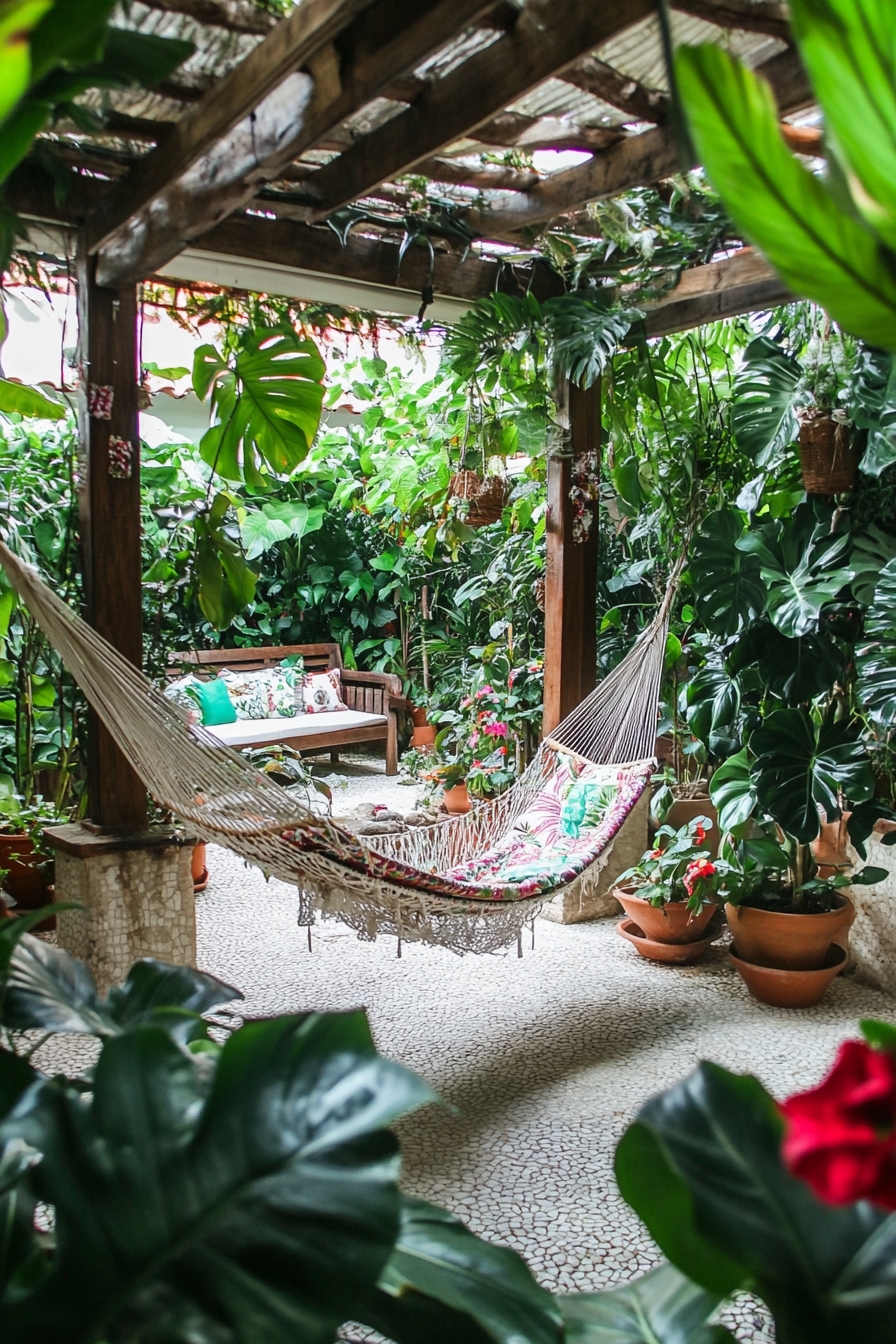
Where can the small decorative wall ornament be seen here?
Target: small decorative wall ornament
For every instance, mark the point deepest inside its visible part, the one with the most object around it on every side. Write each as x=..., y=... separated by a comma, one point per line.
x=584, y=493
x=121, y=458
x=99, y=401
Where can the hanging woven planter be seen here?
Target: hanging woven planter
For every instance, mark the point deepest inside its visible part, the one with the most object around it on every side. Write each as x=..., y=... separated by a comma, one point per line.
x=829, y=455
x=486, y=498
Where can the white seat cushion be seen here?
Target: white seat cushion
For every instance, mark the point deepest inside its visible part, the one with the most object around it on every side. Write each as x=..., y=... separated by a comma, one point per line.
x=254, y=732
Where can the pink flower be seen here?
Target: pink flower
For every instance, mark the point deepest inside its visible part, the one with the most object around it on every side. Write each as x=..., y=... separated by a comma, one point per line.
x=484, y=690
x=474, y=738
x=699, y=835
x=466, y=702
x=496, y=729
x=477, y=765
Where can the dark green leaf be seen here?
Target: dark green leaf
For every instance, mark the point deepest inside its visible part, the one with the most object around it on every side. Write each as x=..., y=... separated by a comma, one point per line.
x=876, y=660
x=728, y=588
x=802, y=566
x=733, y=791
x=663, y=1307
x=800, y=768
x=882, y=1035
x=763, y=401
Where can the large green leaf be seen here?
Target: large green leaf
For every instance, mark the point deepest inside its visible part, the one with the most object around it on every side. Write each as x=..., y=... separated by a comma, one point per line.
x=255, y=1202
x=23, y=400
x=733, y=791
x=763, y=401
x=585, y=332
x=46, y=989
x=712, y=702
x=266, y=403
x=663, y=1307
x=800, y=768
x=701, y=1166
x=849, y=50
x=277, y=520
x=802, y=565
x=18, y=19
x=140, y=58
x=876, y=659
x=872, y=406
x=435, y=1255
x=793, y=670
x=225, y=583
x=728, y=588
x=819, y=249
x=72, y=33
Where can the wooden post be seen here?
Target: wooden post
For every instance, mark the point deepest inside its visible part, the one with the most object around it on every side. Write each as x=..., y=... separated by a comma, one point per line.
x=570, y=658
x=109, y=499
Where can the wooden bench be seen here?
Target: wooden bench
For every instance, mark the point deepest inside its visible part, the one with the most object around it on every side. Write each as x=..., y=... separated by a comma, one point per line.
x=373, y=700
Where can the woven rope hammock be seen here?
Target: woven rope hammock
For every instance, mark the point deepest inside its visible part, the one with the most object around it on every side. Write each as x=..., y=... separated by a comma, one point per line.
x=385, y=884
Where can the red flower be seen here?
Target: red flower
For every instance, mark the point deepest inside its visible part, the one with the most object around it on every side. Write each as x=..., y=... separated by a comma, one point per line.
x=699, y=834
x=656, y=853
x=700, y=868
x=841, y=1135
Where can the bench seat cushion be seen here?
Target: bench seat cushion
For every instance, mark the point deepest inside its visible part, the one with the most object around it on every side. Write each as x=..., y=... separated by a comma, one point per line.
x=257, y=732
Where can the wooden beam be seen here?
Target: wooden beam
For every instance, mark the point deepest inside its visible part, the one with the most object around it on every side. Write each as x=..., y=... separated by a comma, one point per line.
x=570, y=601
x=549, y=35
x=213, y=164
x=611, y=86
x=484, y=176
x=514, y=130
x=742, y=283
x=239, y=16
x=750, y=16
x=110, y=523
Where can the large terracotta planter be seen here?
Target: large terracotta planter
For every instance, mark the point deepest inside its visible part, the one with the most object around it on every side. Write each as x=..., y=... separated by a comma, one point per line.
x=457, y=800
x=788, y=942
x=685, y=810
x=424, y=734
x=199, y=869
x=670, y=923
x=418, y=718
x=789, y=988
x=28, y=880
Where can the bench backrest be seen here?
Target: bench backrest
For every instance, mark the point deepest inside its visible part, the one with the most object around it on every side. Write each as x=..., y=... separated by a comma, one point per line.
x=318, y=657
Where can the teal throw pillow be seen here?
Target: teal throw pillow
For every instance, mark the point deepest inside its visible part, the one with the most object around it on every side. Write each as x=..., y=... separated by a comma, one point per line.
x=215, y=703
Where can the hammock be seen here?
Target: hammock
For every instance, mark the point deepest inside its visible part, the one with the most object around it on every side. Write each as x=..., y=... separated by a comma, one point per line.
x=457, y=883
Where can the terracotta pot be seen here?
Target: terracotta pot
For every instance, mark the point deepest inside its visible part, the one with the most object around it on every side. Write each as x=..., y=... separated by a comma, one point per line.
x=671, y=954
x=198, y=868
x=27, y=881
x=829, y=454
x=789, y=988
x=457, y=800
x=425, y=736
x=670, y=923
x=788, y=942
x=685, y=810
x=418, y=718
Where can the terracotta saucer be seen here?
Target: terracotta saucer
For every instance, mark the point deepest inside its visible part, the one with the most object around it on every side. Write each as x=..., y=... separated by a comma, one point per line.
x=202, y=883
x=673, y=954
x=789, y=989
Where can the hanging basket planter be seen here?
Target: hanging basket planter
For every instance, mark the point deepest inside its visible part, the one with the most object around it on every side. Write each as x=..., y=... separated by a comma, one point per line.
x=486, y=498
x=829, y=455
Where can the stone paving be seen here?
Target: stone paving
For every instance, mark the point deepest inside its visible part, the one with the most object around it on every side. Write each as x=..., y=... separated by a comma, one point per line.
x=542, y=1062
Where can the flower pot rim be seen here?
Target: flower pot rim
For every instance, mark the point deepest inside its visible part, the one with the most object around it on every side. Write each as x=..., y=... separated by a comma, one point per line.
x=631, y=893
x=835, y=950
x=794, y=914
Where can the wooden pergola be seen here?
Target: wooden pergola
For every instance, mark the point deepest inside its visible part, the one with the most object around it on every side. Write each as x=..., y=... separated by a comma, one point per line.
x=237, y=163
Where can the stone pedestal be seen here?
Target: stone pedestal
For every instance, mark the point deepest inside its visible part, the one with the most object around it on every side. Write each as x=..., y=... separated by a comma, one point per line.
x=136, y=894
x=590, y=896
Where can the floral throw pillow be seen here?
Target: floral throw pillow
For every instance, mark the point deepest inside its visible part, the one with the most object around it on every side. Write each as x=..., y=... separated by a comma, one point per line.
x=266, y=694
x=183, y=693
x=322, y=692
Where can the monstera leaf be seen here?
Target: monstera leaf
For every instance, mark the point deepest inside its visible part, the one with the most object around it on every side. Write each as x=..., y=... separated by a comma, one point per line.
x=712, y=702
x=266, y=403
x=873, y=407
x=585, y=332
x=803, y=566
x=733, y=790
x=793, y=670
x=254, y=1199
x=800, y=768
x=876, y=660
x=728, y=588
x=764, y=398
x=701, y=1166
x=820, y=248
x=663, y=1307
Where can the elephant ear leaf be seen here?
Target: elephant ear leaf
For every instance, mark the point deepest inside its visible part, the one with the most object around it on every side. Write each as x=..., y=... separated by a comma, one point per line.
x=663, y=1307
x=876, y=659
x=763, y=401
x=728, y=587
x=821, y=251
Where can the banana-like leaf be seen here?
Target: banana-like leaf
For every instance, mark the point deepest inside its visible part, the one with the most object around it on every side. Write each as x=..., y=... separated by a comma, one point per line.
x=733, y=791
x=266, y=403
x=876, y=659
x=23, y=400
x=849, y=50
x=46, y=989
x=18, y=19
x=727, y=583
x=436, y=1256
x=802, y=566
x=819, y=249
x=800, y=768
x=764, y=398
x=702, y=1167
x=254, y=1200
x=663, y=1307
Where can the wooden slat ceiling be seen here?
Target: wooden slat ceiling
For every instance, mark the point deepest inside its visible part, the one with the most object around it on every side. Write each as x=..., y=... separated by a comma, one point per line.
x=286, y=120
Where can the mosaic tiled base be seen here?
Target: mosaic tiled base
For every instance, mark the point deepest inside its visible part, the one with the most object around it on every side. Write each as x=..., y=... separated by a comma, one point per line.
x=591, y=897
x=137, y=903
x=546, y=1059
x=873, y=935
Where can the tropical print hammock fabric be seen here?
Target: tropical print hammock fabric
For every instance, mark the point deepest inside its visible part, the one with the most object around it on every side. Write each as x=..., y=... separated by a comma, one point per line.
x=566, y=828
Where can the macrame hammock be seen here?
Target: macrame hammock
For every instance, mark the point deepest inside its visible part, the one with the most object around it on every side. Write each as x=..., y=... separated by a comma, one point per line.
x=441, y=884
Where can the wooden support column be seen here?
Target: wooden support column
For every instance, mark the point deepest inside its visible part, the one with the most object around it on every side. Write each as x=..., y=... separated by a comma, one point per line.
x=109, y=501
x=570, y=656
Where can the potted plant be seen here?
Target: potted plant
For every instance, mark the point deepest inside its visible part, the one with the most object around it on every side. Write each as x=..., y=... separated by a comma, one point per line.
x=29, y=865
x=671, y=895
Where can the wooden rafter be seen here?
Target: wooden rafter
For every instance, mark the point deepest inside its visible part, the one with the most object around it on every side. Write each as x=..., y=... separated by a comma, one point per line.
x=743, y=283
x=604, y=82
x=549, y=36
x=211, y=162
x=750, y=16
x=239, y=16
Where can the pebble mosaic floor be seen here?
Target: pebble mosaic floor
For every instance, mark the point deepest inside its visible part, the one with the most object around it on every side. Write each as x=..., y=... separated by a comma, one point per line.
x=542, y=1061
